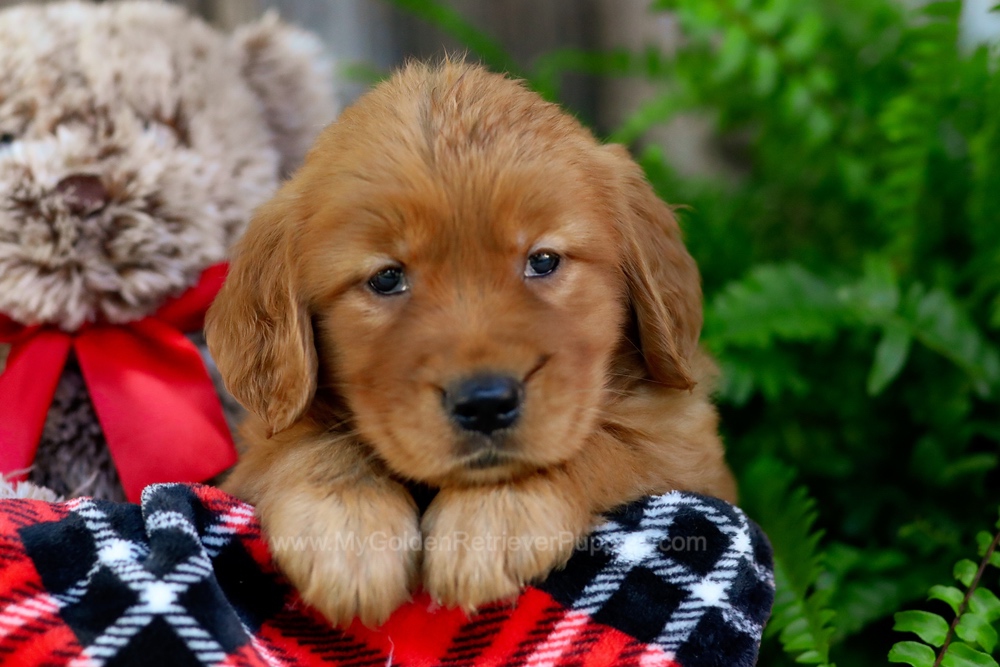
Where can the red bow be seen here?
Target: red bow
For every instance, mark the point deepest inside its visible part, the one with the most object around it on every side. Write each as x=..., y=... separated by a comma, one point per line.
x=153, y=397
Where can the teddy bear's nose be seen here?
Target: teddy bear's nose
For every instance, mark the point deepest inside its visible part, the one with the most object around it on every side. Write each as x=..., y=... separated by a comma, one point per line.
x=83, y=193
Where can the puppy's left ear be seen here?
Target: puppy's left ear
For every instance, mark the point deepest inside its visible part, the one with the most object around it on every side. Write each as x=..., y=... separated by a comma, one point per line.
x=293, y=78
x=664, y=287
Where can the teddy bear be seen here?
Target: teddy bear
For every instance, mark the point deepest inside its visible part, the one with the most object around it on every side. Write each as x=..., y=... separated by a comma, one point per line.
x=135, y=141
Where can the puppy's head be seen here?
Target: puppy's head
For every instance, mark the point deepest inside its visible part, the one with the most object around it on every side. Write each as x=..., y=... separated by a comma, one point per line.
x=456, y=266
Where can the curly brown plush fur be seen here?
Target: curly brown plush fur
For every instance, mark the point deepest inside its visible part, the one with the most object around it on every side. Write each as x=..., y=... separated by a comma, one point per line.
x=135, y=141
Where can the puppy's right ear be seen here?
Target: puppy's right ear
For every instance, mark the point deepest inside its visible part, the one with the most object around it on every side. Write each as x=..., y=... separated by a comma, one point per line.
x=258, y=329
x=664, y=288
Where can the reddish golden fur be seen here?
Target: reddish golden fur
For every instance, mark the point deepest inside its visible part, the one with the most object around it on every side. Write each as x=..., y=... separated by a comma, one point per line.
x=458, y=175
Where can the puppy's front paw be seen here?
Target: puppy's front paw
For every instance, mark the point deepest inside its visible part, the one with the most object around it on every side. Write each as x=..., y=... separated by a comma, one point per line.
x=483, y=544
x=351, y=551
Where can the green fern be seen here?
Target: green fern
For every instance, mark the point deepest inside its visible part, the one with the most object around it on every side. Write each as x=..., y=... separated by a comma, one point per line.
x=971, y=637
x=911, y=123
x=800, y=618
x=780, y=304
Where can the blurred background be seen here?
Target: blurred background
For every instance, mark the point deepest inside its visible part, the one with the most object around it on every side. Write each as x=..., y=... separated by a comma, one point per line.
x=838, y=167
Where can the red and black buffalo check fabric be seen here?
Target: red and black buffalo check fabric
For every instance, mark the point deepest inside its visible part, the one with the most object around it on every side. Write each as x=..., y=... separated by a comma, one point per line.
x=678, y=580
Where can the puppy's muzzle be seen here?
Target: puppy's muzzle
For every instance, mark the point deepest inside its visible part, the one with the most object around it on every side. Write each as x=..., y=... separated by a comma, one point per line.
x=484, y=403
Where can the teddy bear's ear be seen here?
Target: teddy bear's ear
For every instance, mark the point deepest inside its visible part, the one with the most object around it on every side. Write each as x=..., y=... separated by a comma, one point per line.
x=292, y=76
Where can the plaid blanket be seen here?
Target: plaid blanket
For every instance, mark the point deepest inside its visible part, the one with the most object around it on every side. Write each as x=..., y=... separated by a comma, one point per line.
x=677, y=580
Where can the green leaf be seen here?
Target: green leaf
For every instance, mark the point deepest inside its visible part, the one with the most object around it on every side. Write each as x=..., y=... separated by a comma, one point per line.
x=809, y=657
x=983, y=541
x=890, y=356
x=965, y=570
x=929, y=627
x=939, y=322
x=948, y=9
x=796, y=99
x=974, y=628
x=819, y=124
x=949, y=594
x=969, y=465
x=912, y=653
x=985, y=603
x=765, y=72
x=733, y=53
x=929, y=456
x=769, y=17
x=774, y=302
x=804, y=38
x=876, y=296
x=960, y=655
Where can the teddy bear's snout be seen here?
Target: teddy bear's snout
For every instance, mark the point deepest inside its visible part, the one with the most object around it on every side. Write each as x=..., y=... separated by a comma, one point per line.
x=83, y=193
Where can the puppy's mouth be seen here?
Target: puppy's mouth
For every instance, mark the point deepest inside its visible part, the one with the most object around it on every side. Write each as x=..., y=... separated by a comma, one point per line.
x=491, y=458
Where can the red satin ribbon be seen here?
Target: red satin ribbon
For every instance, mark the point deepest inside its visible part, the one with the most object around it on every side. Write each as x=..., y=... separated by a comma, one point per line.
x=152, y=394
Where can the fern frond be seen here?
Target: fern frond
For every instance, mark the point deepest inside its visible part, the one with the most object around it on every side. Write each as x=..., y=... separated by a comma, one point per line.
x=910, y=123
x=776, y=302
x=800, y=617
x=785, y=303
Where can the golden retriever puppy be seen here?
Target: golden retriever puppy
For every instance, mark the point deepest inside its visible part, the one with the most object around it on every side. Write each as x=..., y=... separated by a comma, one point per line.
x=462, y=288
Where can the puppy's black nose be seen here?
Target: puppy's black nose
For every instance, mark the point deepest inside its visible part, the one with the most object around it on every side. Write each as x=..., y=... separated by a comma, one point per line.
x=484, y=403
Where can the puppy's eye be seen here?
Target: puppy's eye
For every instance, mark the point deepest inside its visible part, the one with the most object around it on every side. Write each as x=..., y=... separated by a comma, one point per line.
x=541, y=264
x=389, y=281
x=6, y=138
